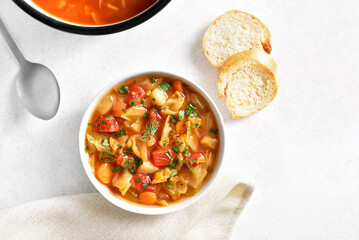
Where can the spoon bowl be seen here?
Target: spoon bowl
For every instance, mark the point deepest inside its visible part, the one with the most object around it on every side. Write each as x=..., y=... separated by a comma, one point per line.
x=38, y=90
x=36, y=85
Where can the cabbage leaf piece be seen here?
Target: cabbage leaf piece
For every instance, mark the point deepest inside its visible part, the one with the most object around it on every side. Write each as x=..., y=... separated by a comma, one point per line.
x=196, y=177
x=139, y=147
x=166, y=133
x=95, y=142
x=162, y=175
x=147, y=167
x=134, y=113
x=149, y=83
x=175, y=102
x=177, y=185
x=106, y=104
x=209, y=141
x=122, y=181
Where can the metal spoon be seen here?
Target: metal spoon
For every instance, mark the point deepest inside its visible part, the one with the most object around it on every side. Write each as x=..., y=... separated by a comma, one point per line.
x=36, y=85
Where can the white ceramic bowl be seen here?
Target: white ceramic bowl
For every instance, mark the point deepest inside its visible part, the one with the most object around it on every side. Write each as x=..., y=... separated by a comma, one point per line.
x=139, y=208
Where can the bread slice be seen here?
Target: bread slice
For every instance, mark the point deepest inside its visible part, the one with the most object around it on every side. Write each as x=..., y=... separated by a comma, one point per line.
x=249, y=81
x=234, y=32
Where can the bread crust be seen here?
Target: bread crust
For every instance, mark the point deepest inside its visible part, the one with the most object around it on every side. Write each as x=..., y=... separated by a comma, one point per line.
x=265, y=39
x=236, y=61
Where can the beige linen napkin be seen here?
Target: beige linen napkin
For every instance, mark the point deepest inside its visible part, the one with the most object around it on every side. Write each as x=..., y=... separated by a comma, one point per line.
x=90, y=216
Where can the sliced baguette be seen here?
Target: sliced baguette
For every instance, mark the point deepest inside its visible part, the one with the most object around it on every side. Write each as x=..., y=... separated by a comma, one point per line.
x=249, y=81
x=234, y=32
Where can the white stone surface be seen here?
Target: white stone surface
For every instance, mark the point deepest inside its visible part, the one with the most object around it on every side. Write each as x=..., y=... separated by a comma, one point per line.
x=301, y=152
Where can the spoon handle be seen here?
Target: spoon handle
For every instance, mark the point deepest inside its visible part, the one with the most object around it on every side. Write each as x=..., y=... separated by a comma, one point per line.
x=11, y=43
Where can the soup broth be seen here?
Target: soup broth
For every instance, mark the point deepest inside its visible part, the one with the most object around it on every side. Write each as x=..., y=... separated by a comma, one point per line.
x=94, y=12
x=152, y=140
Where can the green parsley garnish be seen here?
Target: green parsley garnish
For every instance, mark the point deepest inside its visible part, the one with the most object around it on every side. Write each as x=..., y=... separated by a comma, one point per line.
x=123, y=89
x=142, y=101
x=193, y=161
x=181, y=115
x=185, y=85
x=175, y=148
x=169, y=186
x=190, y=110
x=172, y=164
x=213, y=132
x=86, y=149
x=123, y=132
x=185, y=152
x=117, y=169
x=103, y=122
x=172, y=174
x=138, y=180
x=146, y=115
x=123, y=110
x=146, y=184
x=153, y=79
x=127, y=165
x=164, y=87
x=108, y=157
x=174, y=120
x=105, y=143
x=119, y=146
x=89, y=124
x=210, y=170
x=111, y=98
x=137, y=120
x=164, y=143
x=168, y=154
x=132, y=104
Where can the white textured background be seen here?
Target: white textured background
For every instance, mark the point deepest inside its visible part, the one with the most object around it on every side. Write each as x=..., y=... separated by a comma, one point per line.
x=302, y=151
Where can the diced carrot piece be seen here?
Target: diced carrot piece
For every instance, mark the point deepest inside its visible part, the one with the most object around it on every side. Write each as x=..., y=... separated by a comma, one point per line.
x=148, y=198
x=104, y=173
x=181, y=127
x=178, y=85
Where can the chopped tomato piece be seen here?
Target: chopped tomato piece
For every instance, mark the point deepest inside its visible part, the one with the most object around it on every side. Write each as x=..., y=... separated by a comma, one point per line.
x=107, y=124
x=154, y=115
x=162, y=157
x=143, y=183
x=195, y=159
x=135, y=94
x=120, y=160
